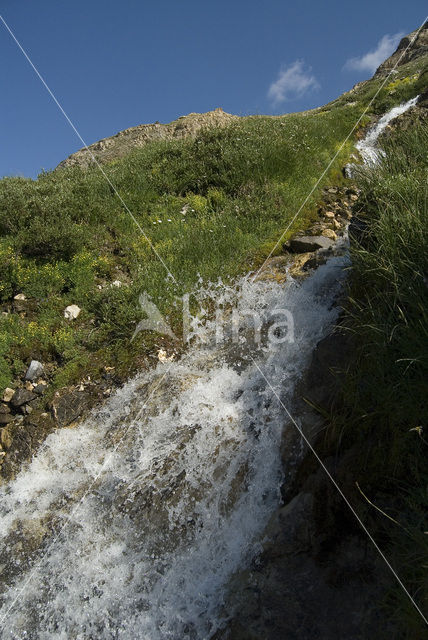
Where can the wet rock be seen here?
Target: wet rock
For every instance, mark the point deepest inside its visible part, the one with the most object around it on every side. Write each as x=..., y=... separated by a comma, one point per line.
x=304, y=244
x=292, y=527
x=323, y=380
x=21, y=396
x=69, y=406
x=34, y=371
x=71, y=312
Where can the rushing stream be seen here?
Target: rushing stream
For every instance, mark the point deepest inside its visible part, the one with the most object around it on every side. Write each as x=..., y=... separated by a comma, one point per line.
x=131, y=524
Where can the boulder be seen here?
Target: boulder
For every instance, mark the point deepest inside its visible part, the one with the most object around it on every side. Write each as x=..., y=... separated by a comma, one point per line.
x=34, y=371
x=71, y=312
x=305, y=244
x=22, y=396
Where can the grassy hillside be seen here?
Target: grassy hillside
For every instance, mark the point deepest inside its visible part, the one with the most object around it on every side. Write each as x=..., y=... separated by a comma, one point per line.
x=385, y=405
x=212, y=206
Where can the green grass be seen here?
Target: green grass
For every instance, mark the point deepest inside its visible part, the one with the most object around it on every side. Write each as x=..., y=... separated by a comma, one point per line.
x=66, y=236
x=385, y=401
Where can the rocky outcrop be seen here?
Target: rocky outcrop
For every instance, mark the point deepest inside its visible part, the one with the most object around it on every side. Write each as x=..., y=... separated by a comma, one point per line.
x=418, y=42
x=123, y=142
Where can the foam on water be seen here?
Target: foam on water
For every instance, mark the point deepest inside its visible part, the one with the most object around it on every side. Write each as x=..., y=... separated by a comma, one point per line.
x=131, y=524
x=367, y=147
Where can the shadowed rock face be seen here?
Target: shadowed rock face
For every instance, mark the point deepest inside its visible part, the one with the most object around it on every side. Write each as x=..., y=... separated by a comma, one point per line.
x=418, y=48
x=123, y=142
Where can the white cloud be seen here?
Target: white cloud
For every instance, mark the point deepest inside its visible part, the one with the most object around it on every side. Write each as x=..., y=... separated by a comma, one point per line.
x=371, y=60
x=293, y=82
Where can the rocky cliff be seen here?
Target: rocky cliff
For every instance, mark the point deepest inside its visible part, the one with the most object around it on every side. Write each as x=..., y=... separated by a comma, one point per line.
x=418, y=41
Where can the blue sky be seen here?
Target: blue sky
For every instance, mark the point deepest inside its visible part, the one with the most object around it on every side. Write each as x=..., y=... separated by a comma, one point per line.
x=113, y=65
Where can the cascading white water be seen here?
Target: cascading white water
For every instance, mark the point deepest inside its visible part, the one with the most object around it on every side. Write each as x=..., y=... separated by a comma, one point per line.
x=130, y=525
x=368, y=146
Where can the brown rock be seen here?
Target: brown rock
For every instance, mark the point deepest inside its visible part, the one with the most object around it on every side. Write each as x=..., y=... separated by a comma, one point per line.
x=69, y=406
x=5, y=438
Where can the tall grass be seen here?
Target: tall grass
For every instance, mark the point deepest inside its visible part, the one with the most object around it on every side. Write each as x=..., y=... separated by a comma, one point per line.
x=385, y=406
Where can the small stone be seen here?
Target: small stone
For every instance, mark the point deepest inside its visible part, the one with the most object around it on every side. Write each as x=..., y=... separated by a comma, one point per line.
x=28, y=409
x=40, y=388
x=22, y=396
x=8, y=394
x=29, y=385
x=34, y=371
x=20, y=296
x=71, y=312
x=5, y=418
x=353, y=197
x=44, y=415
x=4, y=408
x=329, y=214
x=336, y=224
x=329, y=233
x=116, y=283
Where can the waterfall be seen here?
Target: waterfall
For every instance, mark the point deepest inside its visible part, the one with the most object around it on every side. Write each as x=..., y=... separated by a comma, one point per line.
x=368, y=146
x=131, y=524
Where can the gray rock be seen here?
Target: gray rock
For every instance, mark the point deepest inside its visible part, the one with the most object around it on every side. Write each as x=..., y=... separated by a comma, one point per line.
x=34, y=371
x=304, y=244
x=40, y=389
x=22, y=396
